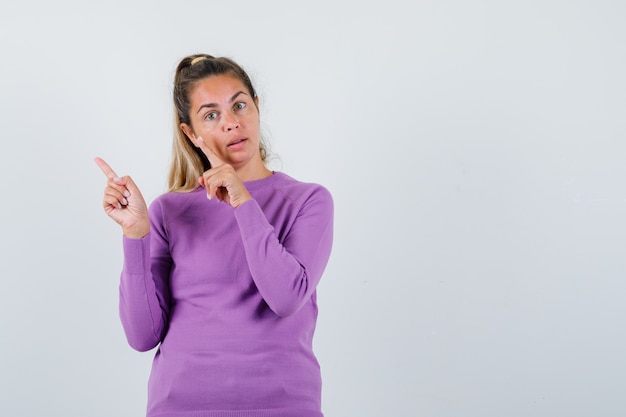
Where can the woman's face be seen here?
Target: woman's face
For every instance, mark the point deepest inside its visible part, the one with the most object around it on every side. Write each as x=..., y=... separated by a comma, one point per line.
x=227, y=118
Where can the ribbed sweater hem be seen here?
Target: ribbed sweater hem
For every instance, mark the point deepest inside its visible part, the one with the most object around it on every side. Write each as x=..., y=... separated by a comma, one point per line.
x=277, y=412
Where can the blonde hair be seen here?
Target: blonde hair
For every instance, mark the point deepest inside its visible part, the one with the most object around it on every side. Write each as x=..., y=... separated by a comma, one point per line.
x=188, y=162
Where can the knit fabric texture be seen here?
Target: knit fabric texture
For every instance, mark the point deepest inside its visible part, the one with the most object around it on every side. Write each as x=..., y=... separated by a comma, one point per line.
x=229, y=297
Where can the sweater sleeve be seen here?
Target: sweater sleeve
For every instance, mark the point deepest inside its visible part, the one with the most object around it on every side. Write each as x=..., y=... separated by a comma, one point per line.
x=144, y=289
x=286, y=273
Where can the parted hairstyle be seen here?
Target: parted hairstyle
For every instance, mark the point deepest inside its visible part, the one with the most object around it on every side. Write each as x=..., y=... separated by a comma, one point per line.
x=188, y=161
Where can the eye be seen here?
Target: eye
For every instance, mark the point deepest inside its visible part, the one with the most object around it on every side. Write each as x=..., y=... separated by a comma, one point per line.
x=210, y=116
x=239, y=106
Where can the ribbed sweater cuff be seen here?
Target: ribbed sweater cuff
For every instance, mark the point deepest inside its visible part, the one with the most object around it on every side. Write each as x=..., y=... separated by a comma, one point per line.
x=136, y=254
x=250, y=216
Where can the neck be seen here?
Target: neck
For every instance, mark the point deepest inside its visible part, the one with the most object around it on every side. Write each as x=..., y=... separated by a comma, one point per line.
x=253, y=171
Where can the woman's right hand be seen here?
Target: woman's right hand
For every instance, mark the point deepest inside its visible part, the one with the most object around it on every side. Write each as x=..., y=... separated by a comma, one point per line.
x=124, y=203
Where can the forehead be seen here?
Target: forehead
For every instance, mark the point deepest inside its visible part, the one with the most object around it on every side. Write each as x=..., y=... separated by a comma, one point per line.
x=216, y=89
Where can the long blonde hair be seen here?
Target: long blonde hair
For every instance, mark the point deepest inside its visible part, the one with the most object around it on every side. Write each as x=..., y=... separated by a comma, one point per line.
x=188, y=162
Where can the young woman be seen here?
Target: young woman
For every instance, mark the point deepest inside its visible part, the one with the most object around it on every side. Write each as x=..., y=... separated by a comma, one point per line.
x=221, y=272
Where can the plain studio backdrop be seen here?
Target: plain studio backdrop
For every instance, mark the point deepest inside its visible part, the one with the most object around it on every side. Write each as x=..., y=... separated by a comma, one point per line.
x=475, y=151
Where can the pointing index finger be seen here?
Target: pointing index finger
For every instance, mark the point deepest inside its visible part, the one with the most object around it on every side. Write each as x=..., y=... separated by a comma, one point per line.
x=210, y=154
x=105, y=168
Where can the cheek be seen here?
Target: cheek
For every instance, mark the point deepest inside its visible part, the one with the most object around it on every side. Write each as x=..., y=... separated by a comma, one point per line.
x=211, y=141
x=207, y=134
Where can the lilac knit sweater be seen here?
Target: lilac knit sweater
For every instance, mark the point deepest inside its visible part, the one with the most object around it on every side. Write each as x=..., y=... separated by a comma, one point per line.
x=229, y=297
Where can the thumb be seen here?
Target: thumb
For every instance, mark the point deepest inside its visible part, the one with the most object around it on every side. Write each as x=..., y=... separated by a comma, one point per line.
x=132, y=187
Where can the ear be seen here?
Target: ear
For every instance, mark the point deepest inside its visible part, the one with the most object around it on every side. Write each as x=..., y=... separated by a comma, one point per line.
x=256, y=101
x=188, y=132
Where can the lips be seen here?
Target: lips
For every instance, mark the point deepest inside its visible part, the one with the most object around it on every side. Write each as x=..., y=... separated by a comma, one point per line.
x=236, y=142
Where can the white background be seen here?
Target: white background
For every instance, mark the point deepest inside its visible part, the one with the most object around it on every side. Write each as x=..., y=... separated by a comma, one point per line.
x=475, y=151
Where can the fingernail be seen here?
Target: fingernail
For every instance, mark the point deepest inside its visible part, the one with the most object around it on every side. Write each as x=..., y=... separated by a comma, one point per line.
x=119, y=206
x=208, y=196
x=124, y=201
x=126, y=193
x=117, y=179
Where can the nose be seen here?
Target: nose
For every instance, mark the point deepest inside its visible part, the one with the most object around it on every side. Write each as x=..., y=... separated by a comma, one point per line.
x=230, y=122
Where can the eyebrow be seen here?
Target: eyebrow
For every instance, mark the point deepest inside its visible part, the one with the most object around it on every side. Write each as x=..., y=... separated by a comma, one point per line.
x=212, y=105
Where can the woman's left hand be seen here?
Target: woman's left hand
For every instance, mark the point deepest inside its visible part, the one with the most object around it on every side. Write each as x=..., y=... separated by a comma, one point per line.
x=221, y=181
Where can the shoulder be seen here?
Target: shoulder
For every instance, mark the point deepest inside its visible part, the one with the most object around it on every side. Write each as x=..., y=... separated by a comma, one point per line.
x=299, y=192
x=173, y=202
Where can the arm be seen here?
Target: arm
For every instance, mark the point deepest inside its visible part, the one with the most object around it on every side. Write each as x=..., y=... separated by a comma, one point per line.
x=144, y=290
x=143, y=300
x=287, y=273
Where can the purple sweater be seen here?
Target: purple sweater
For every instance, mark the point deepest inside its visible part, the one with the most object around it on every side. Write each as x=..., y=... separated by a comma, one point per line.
x=229, y=294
